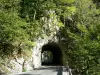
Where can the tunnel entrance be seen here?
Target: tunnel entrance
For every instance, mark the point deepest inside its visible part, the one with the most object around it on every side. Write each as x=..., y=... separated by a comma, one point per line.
x=51, y=54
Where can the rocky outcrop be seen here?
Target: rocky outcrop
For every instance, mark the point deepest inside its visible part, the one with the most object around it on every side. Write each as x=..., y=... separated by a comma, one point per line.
x=50, y=29
x=16, y=65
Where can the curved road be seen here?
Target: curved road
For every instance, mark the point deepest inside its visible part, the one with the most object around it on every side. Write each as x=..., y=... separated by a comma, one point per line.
x=47, y=70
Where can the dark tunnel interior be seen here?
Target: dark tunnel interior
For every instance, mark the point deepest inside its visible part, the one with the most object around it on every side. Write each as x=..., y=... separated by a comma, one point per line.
x=56, y=51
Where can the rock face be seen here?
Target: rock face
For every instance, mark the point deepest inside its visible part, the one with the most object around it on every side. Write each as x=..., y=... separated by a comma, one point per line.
x=49, y=35
x=37, y=51
x=16, y=65
x=50, y=29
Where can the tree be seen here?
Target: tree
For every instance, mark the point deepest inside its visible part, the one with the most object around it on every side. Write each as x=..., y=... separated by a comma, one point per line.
x=17, y=33
x=81, y=33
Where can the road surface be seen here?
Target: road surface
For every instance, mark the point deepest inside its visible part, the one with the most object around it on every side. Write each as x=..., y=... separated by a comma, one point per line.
x=47, y=70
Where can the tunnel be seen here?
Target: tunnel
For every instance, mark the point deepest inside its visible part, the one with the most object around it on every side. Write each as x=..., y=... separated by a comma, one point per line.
x=56, y=54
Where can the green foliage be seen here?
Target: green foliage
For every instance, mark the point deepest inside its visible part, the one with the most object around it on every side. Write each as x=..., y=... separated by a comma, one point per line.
x=64, y=2
x=67, y=1
x=16, y=33
x=21, y=22
x=82, y=32
x=24, y=70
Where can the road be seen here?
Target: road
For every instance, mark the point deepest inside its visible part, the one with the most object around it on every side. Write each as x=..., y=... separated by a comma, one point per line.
x=47, y=70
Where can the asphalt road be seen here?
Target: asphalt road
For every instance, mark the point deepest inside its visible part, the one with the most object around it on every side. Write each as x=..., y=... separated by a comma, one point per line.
x=47, y=70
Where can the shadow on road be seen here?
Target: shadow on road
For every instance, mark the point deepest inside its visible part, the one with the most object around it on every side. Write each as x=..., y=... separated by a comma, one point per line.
x=48, y=68
x=60, y=71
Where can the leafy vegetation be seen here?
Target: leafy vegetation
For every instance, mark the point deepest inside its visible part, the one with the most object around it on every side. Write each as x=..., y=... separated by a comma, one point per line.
x=82, y=34
x=79, y=22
